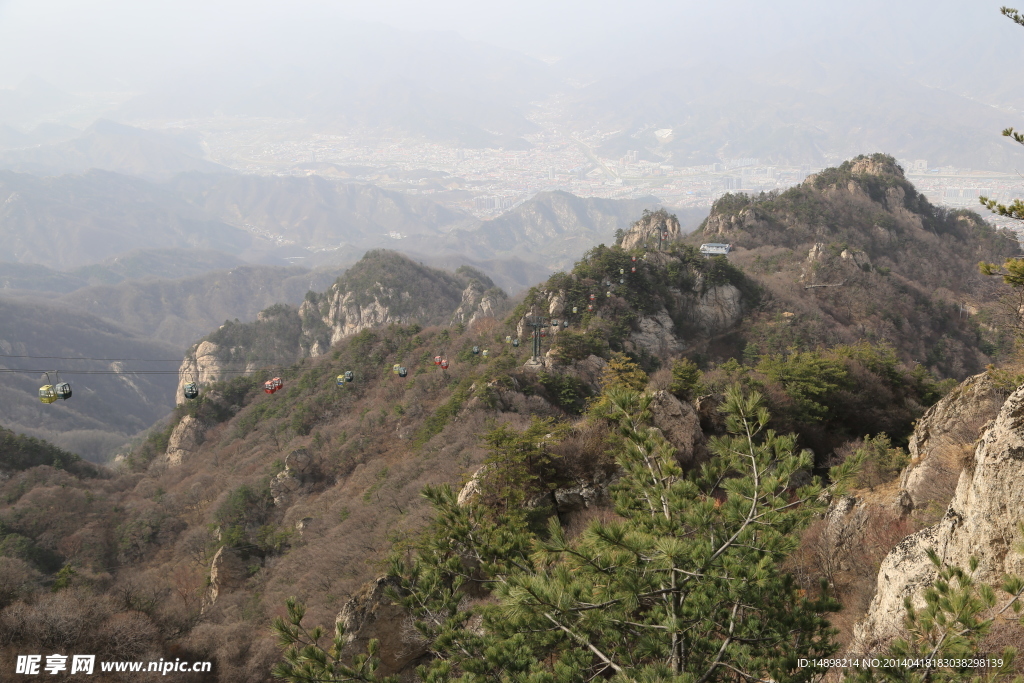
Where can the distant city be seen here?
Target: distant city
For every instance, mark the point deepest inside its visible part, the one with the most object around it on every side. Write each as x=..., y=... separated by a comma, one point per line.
x=488, y=182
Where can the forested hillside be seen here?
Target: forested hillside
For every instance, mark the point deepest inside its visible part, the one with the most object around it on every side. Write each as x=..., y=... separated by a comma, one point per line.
x=754, y=394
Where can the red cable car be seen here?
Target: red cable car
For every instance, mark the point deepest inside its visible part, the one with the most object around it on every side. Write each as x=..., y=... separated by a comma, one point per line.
x=272, y=385
x=444, y=364
x=593, y=296
x=633, y=269
x=634, y=259
x=437, y=360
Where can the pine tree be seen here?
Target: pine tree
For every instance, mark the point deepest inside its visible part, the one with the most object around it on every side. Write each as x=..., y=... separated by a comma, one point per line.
x=684, y=586
x=947, y=632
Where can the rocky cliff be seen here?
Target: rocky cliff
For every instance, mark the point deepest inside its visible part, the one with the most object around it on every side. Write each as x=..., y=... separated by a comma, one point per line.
x=982, y=521
x=383, y=288
x=653, y=229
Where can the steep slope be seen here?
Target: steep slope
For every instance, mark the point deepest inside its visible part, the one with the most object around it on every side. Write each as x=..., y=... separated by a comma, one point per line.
x=105, y=409
x=855, y=253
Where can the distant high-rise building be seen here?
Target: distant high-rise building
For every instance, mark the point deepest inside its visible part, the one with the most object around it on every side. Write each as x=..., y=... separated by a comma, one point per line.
x=920, y=165
x=551, y=173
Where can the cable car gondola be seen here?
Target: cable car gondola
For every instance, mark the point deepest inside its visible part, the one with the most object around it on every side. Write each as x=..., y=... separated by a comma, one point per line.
x=590, y=307
x=633, y=269
x=341, y=380
x=508, y=339
x=349, y=376
x=515, y=342
x=575, y=309
x=394, y=368
x=190, y=390
x=47, y=394
x=565, y=323
x=485, y=352
x=444, y=364
x=272, y=385
x=402, y=372
x=476, y=350
x=437, y=360
x=63, y=389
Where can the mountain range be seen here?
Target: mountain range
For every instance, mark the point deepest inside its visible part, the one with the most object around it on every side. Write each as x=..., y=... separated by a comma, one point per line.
x=70, y=222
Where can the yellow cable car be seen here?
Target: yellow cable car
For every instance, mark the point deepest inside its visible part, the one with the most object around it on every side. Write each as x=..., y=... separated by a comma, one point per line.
x=47, y=394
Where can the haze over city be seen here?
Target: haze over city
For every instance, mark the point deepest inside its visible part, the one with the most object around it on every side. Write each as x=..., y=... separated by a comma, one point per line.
x=481, y=106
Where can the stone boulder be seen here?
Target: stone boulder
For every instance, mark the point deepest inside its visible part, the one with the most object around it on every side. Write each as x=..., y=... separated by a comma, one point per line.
x=680, y=424
x=185, y=440
x=982, y=521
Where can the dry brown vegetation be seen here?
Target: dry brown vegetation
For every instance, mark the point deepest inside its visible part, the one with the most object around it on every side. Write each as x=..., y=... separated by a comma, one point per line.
x=141, y=543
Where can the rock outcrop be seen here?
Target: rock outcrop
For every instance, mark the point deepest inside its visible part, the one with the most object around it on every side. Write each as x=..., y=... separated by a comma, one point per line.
x=227, y=573
x=981, y=521
x=370, y=614
x=656, y=333
x=718, y=309
x=477, y=303
x=943, y=440
x=680, y=424
x=202, y=364
x=185, y=440
x=298, y=467
x=651, y=230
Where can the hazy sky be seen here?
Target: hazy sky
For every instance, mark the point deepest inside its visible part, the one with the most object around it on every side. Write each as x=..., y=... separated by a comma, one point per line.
x=126, y=43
